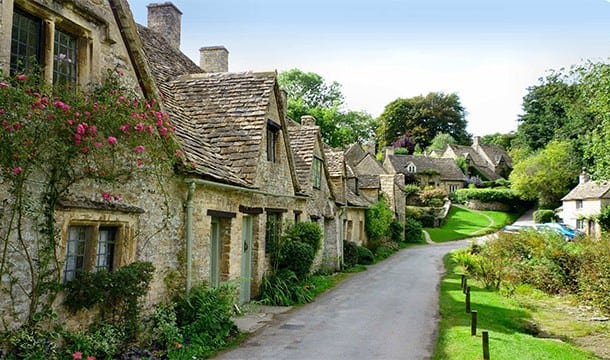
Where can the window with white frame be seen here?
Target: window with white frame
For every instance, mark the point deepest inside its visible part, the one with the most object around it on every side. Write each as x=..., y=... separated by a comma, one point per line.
x=90, y=248
x=411, y=168
x=453, y=188
x=29, y=37
x=579, y=204
x=580, y=224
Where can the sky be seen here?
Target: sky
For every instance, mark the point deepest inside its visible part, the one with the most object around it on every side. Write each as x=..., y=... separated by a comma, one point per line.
x=487, y=51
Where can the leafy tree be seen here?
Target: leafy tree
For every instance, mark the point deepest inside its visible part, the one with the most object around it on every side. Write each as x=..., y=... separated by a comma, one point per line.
x=440, y=142
x=504, y=140
x=424, y=118
x=405, y=142
x=595, y=81
x=309, y=94
x=547, y=174
x=550, y=111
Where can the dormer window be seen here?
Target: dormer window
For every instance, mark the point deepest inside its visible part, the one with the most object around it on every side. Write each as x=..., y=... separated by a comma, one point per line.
x=411, y=168
x=273, y=130
x=316, y=173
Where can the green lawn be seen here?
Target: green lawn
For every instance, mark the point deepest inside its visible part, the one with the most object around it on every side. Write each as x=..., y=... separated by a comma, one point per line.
x=501, y=218
x=461, y=223
x=502, y=317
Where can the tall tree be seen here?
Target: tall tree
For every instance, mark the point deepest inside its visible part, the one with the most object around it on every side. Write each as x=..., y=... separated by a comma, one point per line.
x=503, y=140
x=424, y=118
x=551, y=110
x=440, y=142
x=309, y=94
x=548, y=174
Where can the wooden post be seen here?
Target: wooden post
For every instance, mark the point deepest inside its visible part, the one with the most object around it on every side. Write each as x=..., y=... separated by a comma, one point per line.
x=468, y=299
x=485, y=345
x=465, y=285
x=463, y=279
x=473, y=323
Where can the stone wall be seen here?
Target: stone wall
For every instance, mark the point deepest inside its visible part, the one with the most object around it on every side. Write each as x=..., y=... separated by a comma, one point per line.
x=491, y=206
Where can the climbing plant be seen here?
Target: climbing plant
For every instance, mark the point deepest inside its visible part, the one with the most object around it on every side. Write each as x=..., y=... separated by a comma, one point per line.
x=52, y=138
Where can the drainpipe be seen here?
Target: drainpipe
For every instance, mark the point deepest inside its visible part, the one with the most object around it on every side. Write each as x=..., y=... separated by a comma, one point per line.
x=189, y=237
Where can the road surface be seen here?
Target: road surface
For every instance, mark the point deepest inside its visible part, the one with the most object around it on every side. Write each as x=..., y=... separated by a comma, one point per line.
x=388, y=312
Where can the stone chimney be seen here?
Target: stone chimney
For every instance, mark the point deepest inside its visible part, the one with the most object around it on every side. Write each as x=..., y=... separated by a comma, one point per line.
x=165, y=18
x=214, y=59
x=475, y=141
x=388, y=151
x=583, y=177
x=308, y=120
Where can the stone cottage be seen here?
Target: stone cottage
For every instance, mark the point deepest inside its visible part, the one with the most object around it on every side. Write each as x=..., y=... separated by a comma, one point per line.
x=312, y=173
x=581, y=205
x=352, y=206
x=372, y=180
x=76, y=44
x=426, y=171
x=490, y=162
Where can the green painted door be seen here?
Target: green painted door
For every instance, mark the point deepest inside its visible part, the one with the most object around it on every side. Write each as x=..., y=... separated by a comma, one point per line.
x=246, y=260
x=215, y=253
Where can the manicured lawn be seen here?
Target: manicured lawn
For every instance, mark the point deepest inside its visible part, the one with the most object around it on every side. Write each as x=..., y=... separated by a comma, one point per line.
x=502, y=317
x=461, y=223
x=501, y=218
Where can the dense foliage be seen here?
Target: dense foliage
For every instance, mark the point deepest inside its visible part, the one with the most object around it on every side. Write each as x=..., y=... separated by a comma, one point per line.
x=309, y=94
x=378, y=218
x=547, y=175
x=505, y=196
x=423, y=117
x=544, y=216
x=413, y=231
x=545, y=260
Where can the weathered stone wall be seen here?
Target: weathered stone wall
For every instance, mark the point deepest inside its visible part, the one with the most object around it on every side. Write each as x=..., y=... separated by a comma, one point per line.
x=100, y=45
x=492, y=206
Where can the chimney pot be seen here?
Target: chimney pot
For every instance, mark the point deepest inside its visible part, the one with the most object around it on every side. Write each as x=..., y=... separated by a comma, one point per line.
x=165, y=18
x=583, y=177
x=214, y=59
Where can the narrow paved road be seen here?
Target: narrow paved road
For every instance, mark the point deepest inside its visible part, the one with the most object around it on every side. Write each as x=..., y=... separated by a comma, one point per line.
x=388, y=312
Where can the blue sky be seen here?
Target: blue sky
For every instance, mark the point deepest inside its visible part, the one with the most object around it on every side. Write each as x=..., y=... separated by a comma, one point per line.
x=486, y=51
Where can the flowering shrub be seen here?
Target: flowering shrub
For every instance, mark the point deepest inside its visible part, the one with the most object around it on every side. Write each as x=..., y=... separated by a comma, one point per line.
x=52, y=138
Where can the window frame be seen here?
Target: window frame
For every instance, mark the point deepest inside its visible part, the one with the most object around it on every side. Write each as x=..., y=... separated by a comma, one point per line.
x=411, y=168
x=579, y=204
x=273, y=130
x=316, y=172
x=89, y=239
x=50, y=40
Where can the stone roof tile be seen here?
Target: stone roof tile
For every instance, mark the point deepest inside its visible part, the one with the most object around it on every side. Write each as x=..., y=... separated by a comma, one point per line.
x=589, y=190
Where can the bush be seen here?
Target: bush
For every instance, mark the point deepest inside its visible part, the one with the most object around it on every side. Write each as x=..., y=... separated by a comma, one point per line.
x=427, y=219
x=103, y=342
x=594, y=273
x=433, y=196
x=413, y=231
x=604, y=218
x=411, y=189
x=544, y=216
x=204, y=317
x=350, y=254
x=283, y=289
x=506, y=196
x=365, y=256
x=377, y=221
x=298, y=257
x=396, y=231
x=307, y=232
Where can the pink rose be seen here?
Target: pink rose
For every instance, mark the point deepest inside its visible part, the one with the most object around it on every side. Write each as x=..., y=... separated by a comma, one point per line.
x=111, y=140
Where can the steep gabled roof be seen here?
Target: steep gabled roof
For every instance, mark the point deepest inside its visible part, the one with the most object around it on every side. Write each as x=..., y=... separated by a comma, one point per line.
x=369, y=181
x=589, y=190
x=229, y=111
x=303, y=141
x=165, y=61
x=478, y=161
x=356, y=200
x=447, y=168
x=335, y=162
x=354, y=154
x=495, y=152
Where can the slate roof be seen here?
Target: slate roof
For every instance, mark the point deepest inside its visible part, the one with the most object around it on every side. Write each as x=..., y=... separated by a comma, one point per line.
x=589, y=190
x=334, y=162
x=229, y=111
x=165, y=61
x=479, y=162
x=355, y=200
x=368, y=181
x=495, y=153
x=302, y=141
x=166, y=65
x=354, y=154
x=447, y=168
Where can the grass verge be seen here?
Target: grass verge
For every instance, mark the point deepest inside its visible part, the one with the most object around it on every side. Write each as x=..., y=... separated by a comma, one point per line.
x=462, y=223
x=508, y=321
